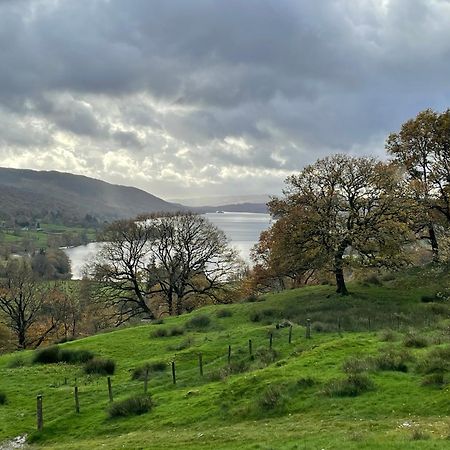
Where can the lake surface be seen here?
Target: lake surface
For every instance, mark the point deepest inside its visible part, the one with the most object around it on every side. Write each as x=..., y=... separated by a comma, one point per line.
x=242, y=229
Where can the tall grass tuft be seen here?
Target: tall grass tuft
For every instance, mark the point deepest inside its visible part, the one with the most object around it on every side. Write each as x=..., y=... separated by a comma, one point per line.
x=131, y=406
x=100, y=366
x=352, y=386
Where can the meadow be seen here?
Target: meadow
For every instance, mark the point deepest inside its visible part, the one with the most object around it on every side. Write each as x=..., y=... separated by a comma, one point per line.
x=373, y=375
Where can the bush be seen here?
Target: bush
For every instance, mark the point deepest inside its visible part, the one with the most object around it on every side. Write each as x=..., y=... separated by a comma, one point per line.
x=387, y=336
x=159, y=332
x=55, y=354
x=434, y=379
x=131, y=406
x=199, y=322
x=392, y=360
x=415, y=340
x=265, y=355
x=352, y=386
x=75, y=356
x=224, y=313
x=3, y=398
x=255, y=316
x=429, y=298
x=271, y=398
x=436, y=361
x=139, y=372
x=355, y=365
x=175, y=331
x=47, y=355
x=100, y=366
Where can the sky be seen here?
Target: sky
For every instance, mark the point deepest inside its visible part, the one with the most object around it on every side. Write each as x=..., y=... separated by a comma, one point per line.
x=197, y=98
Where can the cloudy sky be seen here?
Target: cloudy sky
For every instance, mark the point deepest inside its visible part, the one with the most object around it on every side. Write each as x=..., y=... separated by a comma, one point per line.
x=188, y=98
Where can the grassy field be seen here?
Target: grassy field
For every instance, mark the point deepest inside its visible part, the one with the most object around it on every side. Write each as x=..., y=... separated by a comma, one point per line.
x=284, y=398
x=39, y=239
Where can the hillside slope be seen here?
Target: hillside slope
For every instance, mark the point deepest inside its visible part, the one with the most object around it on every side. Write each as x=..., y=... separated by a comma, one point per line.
x=273, y=399
x=46, y=194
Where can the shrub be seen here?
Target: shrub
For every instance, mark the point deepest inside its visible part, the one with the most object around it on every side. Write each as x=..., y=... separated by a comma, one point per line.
x=135, y=405
x=224, y=313
x=3, y=398
x=100, y=366
x=428, y=298
x=159, y=332
x=47, y=355
x=266, y=355
x=436, y=361
x=75, y=356
x=387, y=336
x=199, y=322
x=139, y=372
x=251, y=299
x=271, y=398
x=415, y=340
x=352, y=386
x=419, y=435
x=55, y=354
x=392, y=360
x=159, y=321
x=434, y=379
x=175, y=331
x=355, y=365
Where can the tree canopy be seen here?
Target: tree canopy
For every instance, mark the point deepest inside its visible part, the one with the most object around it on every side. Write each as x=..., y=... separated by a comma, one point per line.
x=339, y=211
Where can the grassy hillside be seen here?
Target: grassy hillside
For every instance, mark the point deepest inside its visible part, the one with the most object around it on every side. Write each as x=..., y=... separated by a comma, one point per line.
x=280, y=399
x=67, y=197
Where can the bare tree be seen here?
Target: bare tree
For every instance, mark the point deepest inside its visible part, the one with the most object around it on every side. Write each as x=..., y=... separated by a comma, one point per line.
x=24, y=304
x=170, y=258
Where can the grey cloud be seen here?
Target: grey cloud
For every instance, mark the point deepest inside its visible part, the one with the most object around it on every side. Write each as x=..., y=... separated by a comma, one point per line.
x=172, y=82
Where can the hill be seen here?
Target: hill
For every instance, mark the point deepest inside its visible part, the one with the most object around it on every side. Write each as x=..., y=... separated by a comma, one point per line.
x=374, y=375
x=52, y=196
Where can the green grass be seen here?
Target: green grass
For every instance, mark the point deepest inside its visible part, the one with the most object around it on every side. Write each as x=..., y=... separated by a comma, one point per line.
x=259, y=402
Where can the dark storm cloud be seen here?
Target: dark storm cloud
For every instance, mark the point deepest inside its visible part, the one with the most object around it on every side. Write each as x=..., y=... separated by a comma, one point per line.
x=177, y=87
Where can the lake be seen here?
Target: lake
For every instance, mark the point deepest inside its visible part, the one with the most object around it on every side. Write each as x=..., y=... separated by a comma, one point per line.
x=242, y=229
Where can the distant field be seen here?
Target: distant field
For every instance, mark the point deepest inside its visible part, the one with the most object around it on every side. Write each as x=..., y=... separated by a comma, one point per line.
x=40, y=238
x=273, y=400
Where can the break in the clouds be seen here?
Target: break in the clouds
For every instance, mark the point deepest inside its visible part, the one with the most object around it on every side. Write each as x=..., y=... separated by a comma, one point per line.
x=202, y=97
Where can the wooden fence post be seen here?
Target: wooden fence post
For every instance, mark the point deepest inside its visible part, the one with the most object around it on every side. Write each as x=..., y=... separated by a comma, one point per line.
x=250, y=350
x=77, y=400
x=229, y=354
x=110, y=393
x=290, y=334
x=174, y=378
x=39, y=413
x=270, y=341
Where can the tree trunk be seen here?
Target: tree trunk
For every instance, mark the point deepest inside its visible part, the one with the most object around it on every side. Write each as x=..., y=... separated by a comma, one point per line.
x=341, y=288
x=433, y=242
x=22, y=339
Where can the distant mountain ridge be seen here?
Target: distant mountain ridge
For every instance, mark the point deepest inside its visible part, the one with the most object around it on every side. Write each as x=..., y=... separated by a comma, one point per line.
x=64, y=197
x=46, y=194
